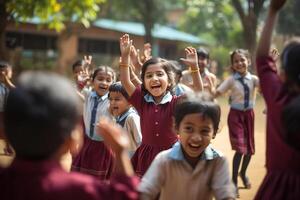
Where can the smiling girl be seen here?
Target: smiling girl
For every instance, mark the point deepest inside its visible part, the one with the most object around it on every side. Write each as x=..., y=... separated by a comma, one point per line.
x=95, y=158
x=154, y=101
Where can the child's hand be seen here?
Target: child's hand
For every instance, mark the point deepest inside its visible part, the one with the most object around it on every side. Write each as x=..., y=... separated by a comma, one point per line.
x=135, y=58
x=191, y=57
x=125, y=47
x=147, y=52
x=113, y=135
x=277, y=4
x=87, y=63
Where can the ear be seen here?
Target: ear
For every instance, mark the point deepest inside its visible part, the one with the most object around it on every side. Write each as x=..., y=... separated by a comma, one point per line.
x=175, y=128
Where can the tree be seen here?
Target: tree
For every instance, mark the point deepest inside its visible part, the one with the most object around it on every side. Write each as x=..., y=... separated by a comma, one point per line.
x=147, y=12
x=55, y=14
x=288, y=22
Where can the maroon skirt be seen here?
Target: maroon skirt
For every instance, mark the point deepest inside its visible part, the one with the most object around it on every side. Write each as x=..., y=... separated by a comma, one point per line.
x=279, y=185
x=241, y=130
x=94, y=159
x=143, y=157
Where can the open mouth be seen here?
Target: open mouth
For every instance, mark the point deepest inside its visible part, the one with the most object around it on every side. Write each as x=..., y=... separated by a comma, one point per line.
x=194, y=146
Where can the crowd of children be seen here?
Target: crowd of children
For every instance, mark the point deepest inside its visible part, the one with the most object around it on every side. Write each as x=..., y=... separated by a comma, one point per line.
x=148, y=136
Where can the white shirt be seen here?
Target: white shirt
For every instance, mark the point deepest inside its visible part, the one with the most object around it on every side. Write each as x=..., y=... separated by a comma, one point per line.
x=236, y=89
x=170, y=175
x=3, y=95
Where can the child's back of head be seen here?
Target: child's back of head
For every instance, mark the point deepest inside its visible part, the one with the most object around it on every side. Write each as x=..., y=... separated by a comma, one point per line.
x=40, y=114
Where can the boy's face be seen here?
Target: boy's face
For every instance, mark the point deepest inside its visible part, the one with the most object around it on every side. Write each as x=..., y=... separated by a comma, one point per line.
x=195, y=133
x=77, y=71
x=102, y=82
x=202, y=63
x=118, y=103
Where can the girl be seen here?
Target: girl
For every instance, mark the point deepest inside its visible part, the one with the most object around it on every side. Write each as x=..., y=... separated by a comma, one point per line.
x=192, y=169
x=282, y=180
x=241, y=116
x=95, y=158
x=154, y=102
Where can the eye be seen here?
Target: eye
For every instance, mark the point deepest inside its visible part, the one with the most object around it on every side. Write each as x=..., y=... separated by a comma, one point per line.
x=205, y=132
x=148, y=76
x=188, y=129
x=160, y=74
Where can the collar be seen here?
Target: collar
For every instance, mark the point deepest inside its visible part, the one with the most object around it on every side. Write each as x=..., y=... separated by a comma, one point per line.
x=209, y=153
x=167, y=98
x=125, y=114
x=238, y=76
x=95, y=95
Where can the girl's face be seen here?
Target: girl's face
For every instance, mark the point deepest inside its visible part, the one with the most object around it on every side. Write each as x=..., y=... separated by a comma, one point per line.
x=240, y=63
x=102, y=82
x=195, y=133
x=156, y=81
x=118, y=103
x=78, y=70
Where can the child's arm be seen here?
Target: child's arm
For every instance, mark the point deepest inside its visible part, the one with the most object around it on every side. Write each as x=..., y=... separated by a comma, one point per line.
x=266, y=36
x=136, y=61
x=125, y=47
x=115, y=139
x=7, y=81
x=192, y=61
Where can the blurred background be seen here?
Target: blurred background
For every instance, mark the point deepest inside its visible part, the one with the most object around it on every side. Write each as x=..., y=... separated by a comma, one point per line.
x=52, y=34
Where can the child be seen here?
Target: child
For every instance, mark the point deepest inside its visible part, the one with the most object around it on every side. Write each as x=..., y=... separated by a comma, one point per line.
x=5, y=86
x=192, y=169
x=242, y=85
x=41, y=116
x=81, y=75
x=154, y=102
x=94, y=158
x=125, y=115
x=282, y=161
x=208, y=78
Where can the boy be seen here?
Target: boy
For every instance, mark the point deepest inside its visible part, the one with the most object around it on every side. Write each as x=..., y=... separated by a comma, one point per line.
x=125, y=115
x=41, y=115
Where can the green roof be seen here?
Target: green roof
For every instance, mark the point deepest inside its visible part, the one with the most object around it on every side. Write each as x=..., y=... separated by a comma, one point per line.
x=159, y=31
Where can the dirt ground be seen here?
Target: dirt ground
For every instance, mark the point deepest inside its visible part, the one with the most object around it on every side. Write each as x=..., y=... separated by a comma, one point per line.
x=256, y=169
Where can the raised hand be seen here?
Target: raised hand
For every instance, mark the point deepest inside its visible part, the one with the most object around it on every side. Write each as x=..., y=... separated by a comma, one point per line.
x=114, y=137
x=277, y=4
x=125, y=48
x=147, y=51
x=191, y=57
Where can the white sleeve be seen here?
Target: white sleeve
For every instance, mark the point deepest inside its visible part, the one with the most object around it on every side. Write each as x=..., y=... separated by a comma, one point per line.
x=154, y=178
x=225, y=85
x=133, y=127
x=222, y=185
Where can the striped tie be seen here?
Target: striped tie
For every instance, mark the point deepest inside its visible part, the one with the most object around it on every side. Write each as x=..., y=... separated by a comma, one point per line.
x=93, y=116
x=246, y=92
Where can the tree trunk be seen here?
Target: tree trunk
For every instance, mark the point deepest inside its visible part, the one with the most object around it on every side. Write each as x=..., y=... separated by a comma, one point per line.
x=3, y=24
x=148, y=20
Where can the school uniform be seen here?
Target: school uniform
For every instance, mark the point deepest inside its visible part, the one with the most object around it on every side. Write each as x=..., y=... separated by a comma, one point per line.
x=241, y=115
x=171, y=176
x=94, y=158
x=36, y=180
x=156, y=127
x=282, y=180
x=3, y=96
x=130, y=121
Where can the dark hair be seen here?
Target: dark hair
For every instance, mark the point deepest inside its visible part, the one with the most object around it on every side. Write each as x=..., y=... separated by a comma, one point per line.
x=244, y=52
x=290, y=60
x=4, y=64
x=201, y=52
x=177, y=67
x=104, y=69
x=200, y=102
x=117, y=87
x=77, y=64
x=291, y=117
x=40, y=114
x=167, y=67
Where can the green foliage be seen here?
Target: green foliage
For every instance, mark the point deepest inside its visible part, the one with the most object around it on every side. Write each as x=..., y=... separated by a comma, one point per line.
x=55, y=13
x=288, y=22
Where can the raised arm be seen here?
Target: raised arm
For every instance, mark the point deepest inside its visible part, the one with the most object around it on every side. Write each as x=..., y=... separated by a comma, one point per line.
x=125, y=47
x=191, y=60
x=115, y=139
x=266, y=36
